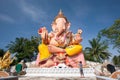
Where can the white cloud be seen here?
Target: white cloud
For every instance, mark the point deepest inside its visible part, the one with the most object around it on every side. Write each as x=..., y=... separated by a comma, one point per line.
x=6, y=18
x=32, y=11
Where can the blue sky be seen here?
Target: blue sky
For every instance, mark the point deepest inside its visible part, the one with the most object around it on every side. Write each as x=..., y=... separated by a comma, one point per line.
x=22, y=18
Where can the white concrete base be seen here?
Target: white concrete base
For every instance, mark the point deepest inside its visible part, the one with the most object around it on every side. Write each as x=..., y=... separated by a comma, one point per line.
x=59, y=71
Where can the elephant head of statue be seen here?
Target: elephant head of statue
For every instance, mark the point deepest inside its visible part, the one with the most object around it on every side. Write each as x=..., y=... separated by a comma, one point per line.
x=60, y=23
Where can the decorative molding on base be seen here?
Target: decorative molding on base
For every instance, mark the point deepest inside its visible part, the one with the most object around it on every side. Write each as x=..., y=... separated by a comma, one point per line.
x=59, y=71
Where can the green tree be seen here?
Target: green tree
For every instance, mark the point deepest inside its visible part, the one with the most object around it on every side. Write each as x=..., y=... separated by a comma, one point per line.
x=2, y=52
x=35, y=42
x=112, y=34
x=97, y=51
x=116, y=60
x=24, y=48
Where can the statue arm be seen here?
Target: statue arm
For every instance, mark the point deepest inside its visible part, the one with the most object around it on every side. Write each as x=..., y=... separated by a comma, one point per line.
x=43, y=32
x=77, y=37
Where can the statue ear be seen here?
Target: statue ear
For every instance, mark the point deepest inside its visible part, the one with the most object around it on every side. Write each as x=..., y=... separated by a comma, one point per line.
x=68, y=25
x=53, y=26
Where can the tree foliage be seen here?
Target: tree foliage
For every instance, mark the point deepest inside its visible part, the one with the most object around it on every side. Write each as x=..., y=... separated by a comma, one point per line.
x=112, y=34
x=116, y=60
x=2, y=52
x=24, y=48
x=97, y=51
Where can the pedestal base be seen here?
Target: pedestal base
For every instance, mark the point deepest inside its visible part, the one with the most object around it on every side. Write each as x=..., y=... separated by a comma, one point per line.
x=59, y=71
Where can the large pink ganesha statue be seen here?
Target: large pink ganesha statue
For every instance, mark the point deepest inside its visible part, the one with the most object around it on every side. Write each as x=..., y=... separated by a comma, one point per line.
x=60, y=45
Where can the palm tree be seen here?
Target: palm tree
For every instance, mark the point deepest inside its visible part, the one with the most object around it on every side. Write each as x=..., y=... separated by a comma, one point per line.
x=116, y=60
x=35, y=42
x=97, y=51
x=24, y=48
x=2, y=52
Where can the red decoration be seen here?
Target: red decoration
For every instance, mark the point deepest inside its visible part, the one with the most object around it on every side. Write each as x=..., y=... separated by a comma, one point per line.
x=40, y=30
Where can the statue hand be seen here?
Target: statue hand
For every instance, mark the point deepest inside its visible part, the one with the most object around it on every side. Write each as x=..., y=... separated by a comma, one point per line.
x=79, y=31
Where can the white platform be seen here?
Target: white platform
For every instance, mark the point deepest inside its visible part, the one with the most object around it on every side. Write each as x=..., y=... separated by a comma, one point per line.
x=59, y=71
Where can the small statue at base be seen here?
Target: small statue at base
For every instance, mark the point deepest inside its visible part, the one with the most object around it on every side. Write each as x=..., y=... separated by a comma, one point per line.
x=5, y=61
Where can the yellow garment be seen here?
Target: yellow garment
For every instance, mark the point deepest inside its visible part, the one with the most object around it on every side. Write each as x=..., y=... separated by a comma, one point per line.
x=73, y=49
x=44, y=52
